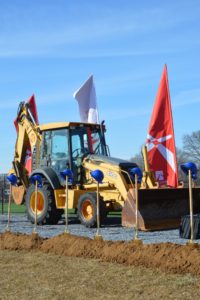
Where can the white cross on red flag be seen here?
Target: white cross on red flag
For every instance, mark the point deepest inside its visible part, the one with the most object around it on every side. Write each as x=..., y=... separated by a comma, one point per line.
x=160, y=139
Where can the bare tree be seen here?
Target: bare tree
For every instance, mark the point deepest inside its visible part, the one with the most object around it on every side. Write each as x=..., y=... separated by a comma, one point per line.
x=191, y=146
x=182, y=158
x=138, y=159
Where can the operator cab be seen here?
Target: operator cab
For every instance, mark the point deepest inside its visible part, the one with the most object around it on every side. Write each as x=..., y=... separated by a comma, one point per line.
x=65, y=147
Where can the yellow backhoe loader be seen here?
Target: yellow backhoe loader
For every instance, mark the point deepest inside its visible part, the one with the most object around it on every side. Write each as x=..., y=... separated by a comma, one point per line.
x=82, y=148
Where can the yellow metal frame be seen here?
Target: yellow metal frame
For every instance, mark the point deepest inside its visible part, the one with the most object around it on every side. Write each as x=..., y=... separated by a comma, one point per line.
x=114, y=188
x=73, y=196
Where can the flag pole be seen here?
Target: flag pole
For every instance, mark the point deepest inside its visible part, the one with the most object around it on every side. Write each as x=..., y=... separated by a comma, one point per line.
x=170, y=108
x=101, y=123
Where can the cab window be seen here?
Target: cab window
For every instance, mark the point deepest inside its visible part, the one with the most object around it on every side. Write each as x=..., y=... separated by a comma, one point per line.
x=60, y=149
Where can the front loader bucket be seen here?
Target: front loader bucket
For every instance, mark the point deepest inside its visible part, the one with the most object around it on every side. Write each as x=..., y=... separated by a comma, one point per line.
x=159, y=208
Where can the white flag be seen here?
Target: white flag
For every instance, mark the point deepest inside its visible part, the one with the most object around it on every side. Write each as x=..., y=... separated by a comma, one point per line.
x=86, y=97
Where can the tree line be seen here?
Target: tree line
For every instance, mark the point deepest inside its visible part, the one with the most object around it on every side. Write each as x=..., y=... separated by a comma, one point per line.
x=189, y=152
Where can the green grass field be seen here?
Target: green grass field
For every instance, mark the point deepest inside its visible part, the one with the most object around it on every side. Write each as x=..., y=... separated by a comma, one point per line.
x=14, y=208
x=21, y=209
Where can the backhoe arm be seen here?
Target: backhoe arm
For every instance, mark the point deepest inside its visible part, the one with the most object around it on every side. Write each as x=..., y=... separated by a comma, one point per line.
x=28, y=137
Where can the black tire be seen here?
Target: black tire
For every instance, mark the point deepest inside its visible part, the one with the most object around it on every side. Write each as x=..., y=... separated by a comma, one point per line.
x=47, y=211
x=90, y=219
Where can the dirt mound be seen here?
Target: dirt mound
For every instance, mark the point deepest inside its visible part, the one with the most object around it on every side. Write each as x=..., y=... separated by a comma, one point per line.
x=19, y=241
x=165, y=256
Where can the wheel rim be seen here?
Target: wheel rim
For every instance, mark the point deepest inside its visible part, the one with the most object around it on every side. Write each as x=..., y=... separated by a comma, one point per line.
x=40, y=202
x=87, y=210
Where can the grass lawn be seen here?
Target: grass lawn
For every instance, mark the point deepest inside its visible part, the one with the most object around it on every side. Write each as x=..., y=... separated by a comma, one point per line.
x=22, y=209
x=36, y=275
x=14, y=208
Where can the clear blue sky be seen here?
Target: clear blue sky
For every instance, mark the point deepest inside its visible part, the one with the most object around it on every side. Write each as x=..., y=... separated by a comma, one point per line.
x=49, y=48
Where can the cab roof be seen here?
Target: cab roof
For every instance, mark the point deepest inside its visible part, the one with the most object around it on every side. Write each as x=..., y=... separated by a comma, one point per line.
x=57, y=125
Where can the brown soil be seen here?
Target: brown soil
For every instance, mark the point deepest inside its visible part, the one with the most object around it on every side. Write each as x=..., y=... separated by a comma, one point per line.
x=165, y=256
x=19, y=241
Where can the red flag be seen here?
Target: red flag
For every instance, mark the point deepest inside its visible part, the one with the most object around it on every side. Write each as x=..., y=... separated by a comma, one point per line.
x=33, y=109
x=160, y=139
